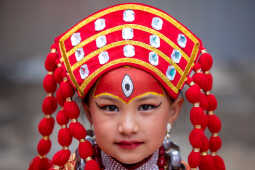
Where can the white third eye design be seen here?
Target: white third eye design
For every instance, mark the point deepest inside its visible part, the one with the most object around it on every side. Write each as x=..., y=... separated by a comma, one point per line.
x=127, y=85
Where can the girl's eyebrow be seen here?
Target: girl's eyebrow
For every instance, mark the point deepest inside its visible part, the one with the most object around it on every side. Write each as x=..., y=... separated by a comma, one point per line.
x=150, y=96
x=105, y=97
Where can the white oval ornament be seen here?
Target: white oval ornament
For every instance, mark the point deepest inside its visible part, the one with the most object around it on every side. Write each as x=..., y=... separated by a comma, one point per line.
x=127, y=86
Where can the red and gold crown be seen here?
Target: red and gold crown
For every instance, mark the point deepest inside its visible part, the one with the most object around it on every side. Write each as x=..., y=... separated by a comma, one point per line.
x=128, y=35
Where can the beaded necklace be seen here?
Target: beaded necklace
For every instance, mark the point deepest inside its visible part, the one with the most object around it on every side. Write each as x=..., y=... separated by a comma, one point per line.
x=158, y=156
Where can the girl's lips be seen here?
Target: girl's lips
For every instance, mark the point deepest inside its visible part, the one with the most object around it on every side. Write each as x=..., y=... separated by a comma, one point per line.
x=128, y=144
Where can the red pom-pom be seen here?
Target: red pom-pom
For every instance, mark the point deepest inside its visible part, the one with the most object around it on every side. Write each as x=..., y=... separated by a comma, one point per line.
x=46, y=126
x=61, y=157
x=72, y=110
x=205, y=61
x=66, y=89
x=206, y=163
x=212, y=102
x=219, y=163
x=43, y=146
x=208, y=82
x=91, y=165
x=193, y=94
x=214, y=123
x=85, y=149
x=64, y=137
x=59, y=74
x=34, y=164
x=49, y=83
x=49, y=105
x=203, y=101
x=39, y=164
x=197, y=67
x=77, y=130
x=199, y=79
x=60, y=98
x=53, y=46
x=205, y=122
x=215, y=143
x=195, y=138
x=189, y=80
x=196, y=115
x=50, y=62
x=205, y=81
x=61, y=118
x=205, y=144
x=194, y=159
x=45, y=164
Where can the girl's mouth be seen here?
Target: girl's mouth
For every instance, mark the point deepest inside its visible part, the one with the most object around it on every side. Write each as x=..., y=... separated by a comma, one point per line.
x=129, y=144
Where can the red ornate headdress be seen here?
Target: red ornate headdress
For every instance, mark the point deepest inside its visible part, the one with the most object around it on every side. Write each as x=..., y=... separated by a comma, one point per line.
x=135, y=35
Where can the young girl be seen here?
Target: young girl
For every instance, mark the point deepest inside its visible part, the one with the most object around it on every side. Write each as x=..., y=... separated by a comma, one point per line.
x=128, y=64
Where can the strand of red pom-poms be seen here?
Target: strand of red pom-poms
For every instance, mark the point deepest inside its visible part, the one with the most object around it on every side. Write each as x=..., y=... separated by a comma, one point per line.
x=214, y=123
x=49, y=105
x=71, y=112
x=201, y=158
x=198, y=120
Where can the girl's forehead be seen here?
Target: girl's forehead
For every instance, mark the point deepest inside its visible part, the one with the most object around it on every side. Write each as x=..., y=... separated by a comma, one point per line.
x=127, y=84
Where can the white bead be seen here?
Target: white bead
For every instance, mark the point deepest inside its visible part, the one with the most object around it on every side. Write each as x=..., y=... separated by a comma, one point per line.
x=157, y=23
x=129, y=50
x=128, y=15
x=182, y=40
x=79, y=54
x=127, y=85
x=171, y=72
x=153, y=58
x=84, y=71
x=75, y=38
x=101, y=41
x=176, y=56
x=154, y=41
x=103, y=57
x=99, y=24
x=127, y=33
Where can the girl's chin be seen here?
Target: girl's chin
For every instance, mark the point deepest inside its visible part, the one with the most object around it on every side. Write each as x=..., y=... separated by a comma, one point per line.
x=130, y=160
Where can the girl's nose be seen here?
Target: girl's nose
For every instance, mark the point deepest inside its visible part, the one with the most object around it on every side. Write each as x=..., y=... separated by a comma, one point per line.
x=128, y=125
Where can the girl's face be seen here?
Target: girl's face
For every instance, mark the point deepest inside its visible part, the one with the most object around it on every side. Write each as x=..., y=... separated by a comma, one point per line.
x=131, y=131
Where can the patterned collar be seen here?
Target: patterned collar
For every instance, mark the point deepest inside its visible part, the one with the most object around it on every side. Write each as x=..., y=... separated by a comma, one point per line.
x=111, y=164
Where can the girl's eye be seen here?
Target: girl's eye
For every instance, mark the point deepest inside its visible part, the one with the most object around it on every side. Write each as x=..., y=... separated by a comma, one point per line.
x=110, y=108
x=145, y=107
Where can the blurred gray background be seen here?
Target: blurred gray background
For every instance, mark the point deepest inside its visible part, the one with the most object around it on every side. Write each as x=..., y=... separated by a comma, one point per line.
x=28, y=28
